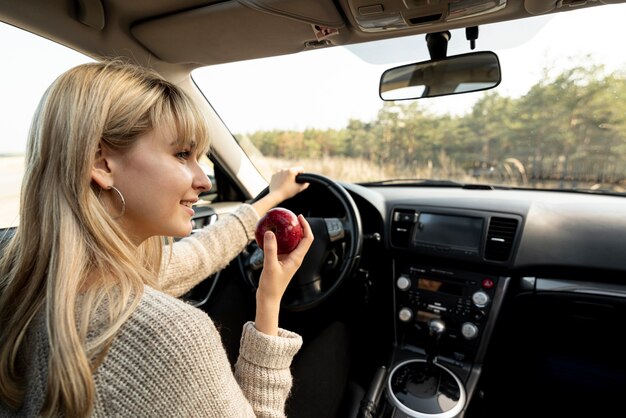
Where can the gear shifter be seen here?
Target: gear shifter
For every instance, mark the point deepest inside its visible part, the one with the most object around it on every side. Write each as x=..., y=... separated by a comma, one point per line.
x=423, y=388
x=436, y=328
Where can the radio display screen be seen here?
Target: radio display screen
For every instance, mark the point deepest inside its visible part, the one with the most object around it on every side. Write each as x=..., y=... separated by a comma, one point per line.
x=439, y=286
x=462, y=232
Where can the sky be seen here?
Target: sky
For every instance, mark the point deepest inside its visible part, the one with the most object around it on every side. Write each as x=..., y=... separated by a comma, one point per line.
x=29, y=65
x=309, y=90
x=246, y=95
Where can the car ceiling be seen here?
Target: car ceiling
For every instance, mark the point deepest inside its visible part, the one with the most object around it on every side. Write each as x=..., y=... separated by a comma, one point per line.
x=176, y=36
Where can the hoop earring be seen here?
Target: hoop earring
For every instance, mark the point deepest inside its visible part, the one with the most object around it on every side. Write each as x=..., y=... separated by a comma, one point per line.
x=121, y=197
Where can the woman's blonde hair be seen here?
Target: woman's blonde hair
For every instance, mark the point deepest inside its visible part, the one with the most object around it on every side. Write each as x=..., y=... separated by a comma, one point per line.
x=69, y=258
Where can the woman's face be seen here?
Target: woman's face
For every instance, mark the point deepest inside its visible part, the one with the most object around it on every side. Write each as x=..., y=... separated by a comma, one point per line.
x=159, y=180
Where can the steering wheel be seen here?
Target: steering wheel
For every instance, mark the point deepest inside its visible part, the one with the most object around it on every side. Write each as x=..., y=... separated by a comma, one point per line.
x=336, y=249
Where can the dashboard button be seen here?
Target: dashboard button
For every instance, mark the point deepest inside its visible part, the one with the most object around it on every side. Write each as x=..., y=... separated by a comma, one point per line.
x=480, y=299
x=469, y=331
x=405, y=314
x=487, y=283
x=403, y=283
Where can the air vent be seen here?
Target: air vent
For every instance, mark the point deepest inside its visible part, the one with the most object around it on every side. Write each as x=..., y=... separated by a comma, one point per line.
x=402, y=221
x=500, y=237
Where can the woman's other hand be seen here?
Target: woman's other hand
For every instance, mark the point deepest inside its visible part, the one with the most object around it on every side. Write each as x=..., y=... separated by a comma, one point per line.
x=278, y=271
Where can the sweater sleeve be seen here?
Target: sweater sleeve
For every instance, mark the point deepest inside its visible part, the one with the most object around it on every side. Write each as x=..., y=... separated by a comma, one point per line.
x=168, y=360
x=189, y=261
x=263, y=364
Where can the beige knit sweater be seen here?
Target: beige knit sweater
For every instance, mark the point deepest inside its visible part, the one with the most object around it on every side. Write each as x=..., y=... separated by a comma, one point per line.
x=168, y=359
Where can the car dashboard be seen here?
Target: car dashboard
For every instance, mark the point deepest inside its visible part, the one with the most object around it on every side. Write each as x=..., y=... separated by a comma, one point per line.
x=518, y=296
x=525, y=289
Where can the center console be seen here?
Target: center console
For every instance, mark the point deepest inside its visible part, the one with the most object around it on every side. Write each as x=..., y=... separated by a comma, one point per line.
x=443, y=319
x=462, y=300
x=443, y=316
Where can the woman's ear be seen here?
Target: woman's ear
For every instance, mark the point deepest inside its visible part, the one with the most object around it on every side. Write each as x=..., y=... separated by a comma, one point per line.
x=101, y=172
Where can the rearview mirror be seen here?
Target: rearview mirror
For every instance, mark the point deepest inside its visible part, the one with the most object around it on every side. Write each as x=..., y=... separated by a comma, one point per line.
x=451, y=75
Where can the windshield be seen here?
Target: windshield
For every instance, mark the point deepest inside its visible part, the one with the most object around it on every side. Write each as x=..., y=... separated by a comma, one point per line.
x=556, y=121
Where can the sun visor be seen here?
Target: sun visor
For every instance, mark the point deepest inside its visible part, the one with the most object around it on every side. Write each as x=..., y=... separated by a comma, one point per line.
x=261, y=28
x=322, y=13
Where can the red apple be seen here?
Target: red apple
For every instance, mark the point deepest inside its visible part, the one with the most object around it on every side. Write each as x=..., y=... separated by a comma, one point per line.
x=284, y=224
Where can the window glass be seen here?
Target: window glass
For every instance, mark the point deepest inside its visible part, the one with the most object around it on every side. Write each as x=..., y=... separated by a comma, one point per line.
x=556, y=121
x=29, y=65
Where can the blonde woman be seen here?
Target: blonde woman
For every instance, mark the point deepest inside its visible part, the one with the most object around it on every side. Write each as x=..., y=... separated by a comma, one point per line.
x=89, y=320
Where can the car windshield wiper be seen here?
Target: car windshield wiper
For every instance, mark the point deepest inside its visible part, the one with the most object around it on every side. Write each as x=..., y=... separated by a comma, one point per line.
x=434, y=183
x=414, y=182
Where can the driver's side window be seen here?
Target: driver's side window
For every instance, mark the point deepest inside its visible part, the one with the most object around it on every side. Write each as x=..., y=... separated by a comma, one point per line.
x=29, y=65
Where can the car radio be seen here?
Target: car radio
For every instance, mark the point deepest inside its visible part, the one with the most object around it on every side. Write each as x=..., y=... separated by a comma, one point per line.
x=470, y=235
x=462, y=300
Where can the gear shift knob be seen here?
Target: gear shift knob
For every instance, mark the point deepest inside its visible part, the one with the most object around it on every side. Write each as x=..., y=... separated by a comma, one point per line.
x=436, y=328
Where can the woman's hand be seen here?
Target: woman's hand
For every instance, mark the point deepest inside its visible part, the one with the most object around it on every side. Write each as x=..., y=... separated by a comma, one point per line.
x=283, y=183
x=282, y=186
x=278, y=271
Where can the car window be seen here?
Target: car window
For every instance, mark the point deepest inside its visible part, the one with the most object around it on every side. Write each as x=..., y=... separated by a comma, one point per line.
x=556, y=121
x=29, y=64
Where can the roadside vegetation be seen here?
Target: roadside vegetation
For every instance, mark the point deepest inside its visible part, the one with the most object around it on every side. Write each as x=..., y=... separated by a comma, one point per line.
x=580, y=142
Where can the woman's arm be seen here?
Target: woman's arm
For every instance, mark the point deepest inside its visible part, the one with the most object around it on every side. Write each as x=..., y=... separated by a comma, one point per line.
x=193, y=259
x=168, y=360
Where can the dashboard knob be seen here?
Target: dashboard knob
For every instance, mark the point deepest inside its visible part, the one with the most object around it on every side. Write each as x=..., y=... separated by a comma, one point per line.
x=403, y=283
x=469, y=330
x=480, y=299
x=405, y=314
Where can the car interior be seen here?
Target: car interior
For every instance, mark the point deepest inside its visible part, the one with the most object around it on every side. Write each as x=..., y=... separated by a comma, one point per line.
x=420, y=298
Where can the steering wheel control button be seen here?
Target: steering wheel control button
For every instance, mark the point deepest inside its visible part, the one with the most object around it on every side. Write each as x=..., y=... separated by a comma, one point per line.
x=335, y=229
x=480, y=299
x=331, y=261
x=469, y=331
x=403, y=283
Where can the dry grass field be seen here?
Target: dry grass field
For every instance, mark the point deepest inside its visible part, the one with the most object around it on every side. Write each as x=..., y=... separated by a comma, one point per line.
x=361, y=170
x=510, y=173
x=339, y=168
